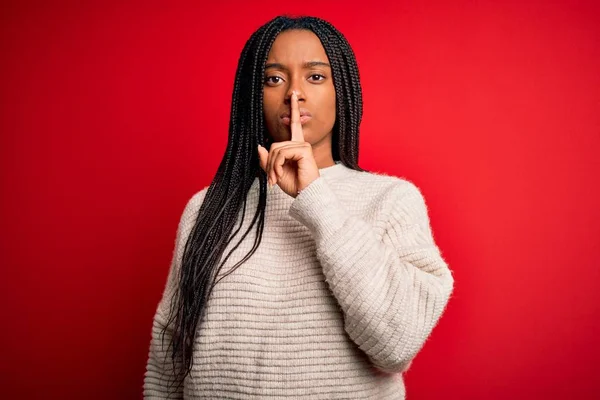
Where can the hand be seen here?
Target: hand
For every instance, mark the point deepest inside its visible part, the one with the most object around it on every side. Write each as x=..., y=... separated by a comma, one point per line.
x=290, y=164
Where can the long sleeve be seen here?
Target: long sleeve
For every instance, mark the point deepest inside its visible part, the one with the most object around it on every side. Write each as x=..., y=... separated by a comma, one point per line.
x=392, y=287
x=159, y=380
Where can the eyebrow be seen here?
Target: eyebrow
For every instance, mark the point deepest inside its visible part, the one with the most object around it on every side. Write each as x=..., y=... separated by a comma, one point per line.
x=306, y=65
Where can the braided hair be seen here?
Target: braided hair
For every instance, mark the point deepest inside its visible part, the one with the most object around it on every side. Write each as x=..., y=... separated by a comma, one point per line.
x=239, y=167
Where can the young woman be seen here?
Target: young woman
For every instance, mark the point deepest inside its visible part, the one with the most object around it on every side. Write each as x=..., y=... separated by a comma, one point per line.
x=324, y=285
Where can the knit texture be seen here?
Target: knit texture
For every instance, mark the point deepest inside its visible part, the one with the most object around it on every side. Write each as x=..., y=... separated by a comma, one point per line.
x=343, y=291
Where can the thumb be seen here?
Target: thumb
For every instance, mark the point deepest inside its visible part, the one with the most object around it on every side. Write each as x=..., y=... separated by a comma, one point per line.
x=263, y=156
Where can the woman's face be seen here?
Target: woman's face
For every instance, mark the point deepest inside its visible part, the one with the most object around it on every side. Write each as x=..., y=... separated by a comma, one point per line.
x=297, y=61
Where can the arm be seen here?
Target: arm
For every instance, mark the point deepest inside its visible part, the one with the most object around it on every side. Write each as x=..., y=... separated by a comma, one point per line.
x=393, y=290
x=159, y=379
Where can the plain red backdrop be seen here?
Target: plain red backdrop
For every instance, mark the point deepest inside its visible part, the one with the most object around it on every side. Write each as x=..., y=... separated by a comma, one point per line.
x=113, y=115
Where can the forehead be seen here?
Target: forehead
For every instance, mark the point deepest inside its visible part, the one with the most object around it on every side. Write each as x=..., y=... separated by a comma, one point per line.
x=297, y=46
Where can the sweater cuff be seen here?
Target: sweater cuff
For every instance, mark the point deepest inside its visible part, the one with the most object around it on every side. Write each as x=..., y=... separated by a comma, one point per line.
x=318, y=208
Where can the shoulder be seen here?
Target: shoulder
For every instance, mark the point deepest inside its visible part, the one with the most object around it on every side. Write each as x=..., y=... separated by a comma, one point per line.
x=192, y=206
x=382, y=187
x=389, y=199
x=196, y=200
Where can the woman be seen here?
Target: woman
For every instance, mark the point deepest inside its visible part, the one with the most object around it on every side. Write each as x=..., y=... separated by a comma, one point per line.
x=333, y=282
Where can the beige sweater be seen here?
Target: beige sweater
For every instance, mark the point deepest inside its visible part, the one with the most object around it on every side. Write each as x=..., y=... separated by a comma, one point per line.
x=343, y=291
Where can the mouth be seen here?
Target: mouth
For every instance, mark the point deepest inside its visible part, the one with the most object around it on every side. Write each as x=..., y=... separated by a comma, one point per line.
x=305, y=116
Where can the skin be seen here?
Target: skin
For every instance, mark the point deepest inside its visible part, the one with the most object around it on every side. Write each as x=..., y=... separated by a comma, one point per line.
x=297, y=76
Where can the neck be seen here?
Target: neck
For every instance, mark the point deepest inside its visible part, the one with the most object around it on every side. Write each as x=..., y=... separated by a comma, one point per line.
x=322, y=152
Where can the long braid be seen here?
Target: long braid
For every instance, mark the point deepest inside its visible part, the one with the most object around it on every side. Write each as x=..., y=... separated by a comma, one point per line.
x=226, y=196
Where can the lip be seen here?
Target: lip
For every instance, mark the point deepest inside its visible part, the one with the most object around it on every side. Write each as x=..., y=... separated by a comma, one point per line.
x=303, y=112
x=305, y=116
x=303, y=119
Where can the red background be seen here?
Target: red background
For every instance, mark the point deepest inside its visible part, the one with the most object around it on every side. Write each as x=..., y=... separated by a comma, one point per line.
x=112, y=116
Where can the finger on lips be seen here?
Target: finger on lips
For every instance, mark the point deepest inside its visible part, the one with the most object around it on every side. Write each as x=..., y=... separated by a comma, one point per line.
x=295, y=124
x=275, y=158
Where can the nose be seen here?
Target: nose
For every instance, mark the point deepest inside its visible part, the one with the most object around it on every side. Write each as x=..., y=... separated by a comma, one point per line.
x=288, y=95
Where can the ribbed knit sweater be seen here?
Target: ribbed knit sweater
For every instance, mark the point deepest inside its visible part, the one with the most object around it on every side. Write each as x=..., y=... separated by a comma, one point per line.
x=343, y=291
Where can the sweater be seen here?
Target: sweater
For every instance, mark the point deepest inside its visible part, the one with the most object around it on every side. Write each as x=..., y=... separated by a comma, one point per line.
x=341, y=294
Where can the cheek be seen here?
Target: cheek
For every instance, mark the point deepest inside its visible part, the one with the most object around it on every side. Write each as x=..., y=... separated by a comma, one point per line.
x=269, y=103
x=333, y=104
x=326, y=111
x=270, y=109
x=331, y=108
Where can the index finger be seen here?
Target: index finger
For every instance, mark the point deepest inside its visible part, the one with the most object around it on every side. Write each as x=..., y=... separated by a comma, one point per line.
x=295, y=124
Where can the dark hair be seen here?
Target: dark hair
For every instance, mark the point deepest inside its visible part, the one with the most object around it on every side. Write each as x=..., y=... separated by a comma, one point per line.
x=240, y=166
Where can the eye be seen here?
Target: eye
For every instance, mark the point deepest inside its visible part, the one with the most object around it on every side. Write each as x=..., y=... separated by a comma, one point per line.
x=318, y=75
x=269, y=79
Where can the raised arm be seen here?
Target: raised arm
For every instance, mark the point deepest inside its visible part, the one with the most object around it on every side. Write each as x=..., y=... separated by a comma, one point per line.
x=393, y=288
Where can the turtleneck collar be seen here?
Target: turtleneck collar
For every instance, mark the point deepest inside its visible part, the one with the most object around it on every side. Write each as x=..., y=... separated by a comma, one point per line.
x=335, y=169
